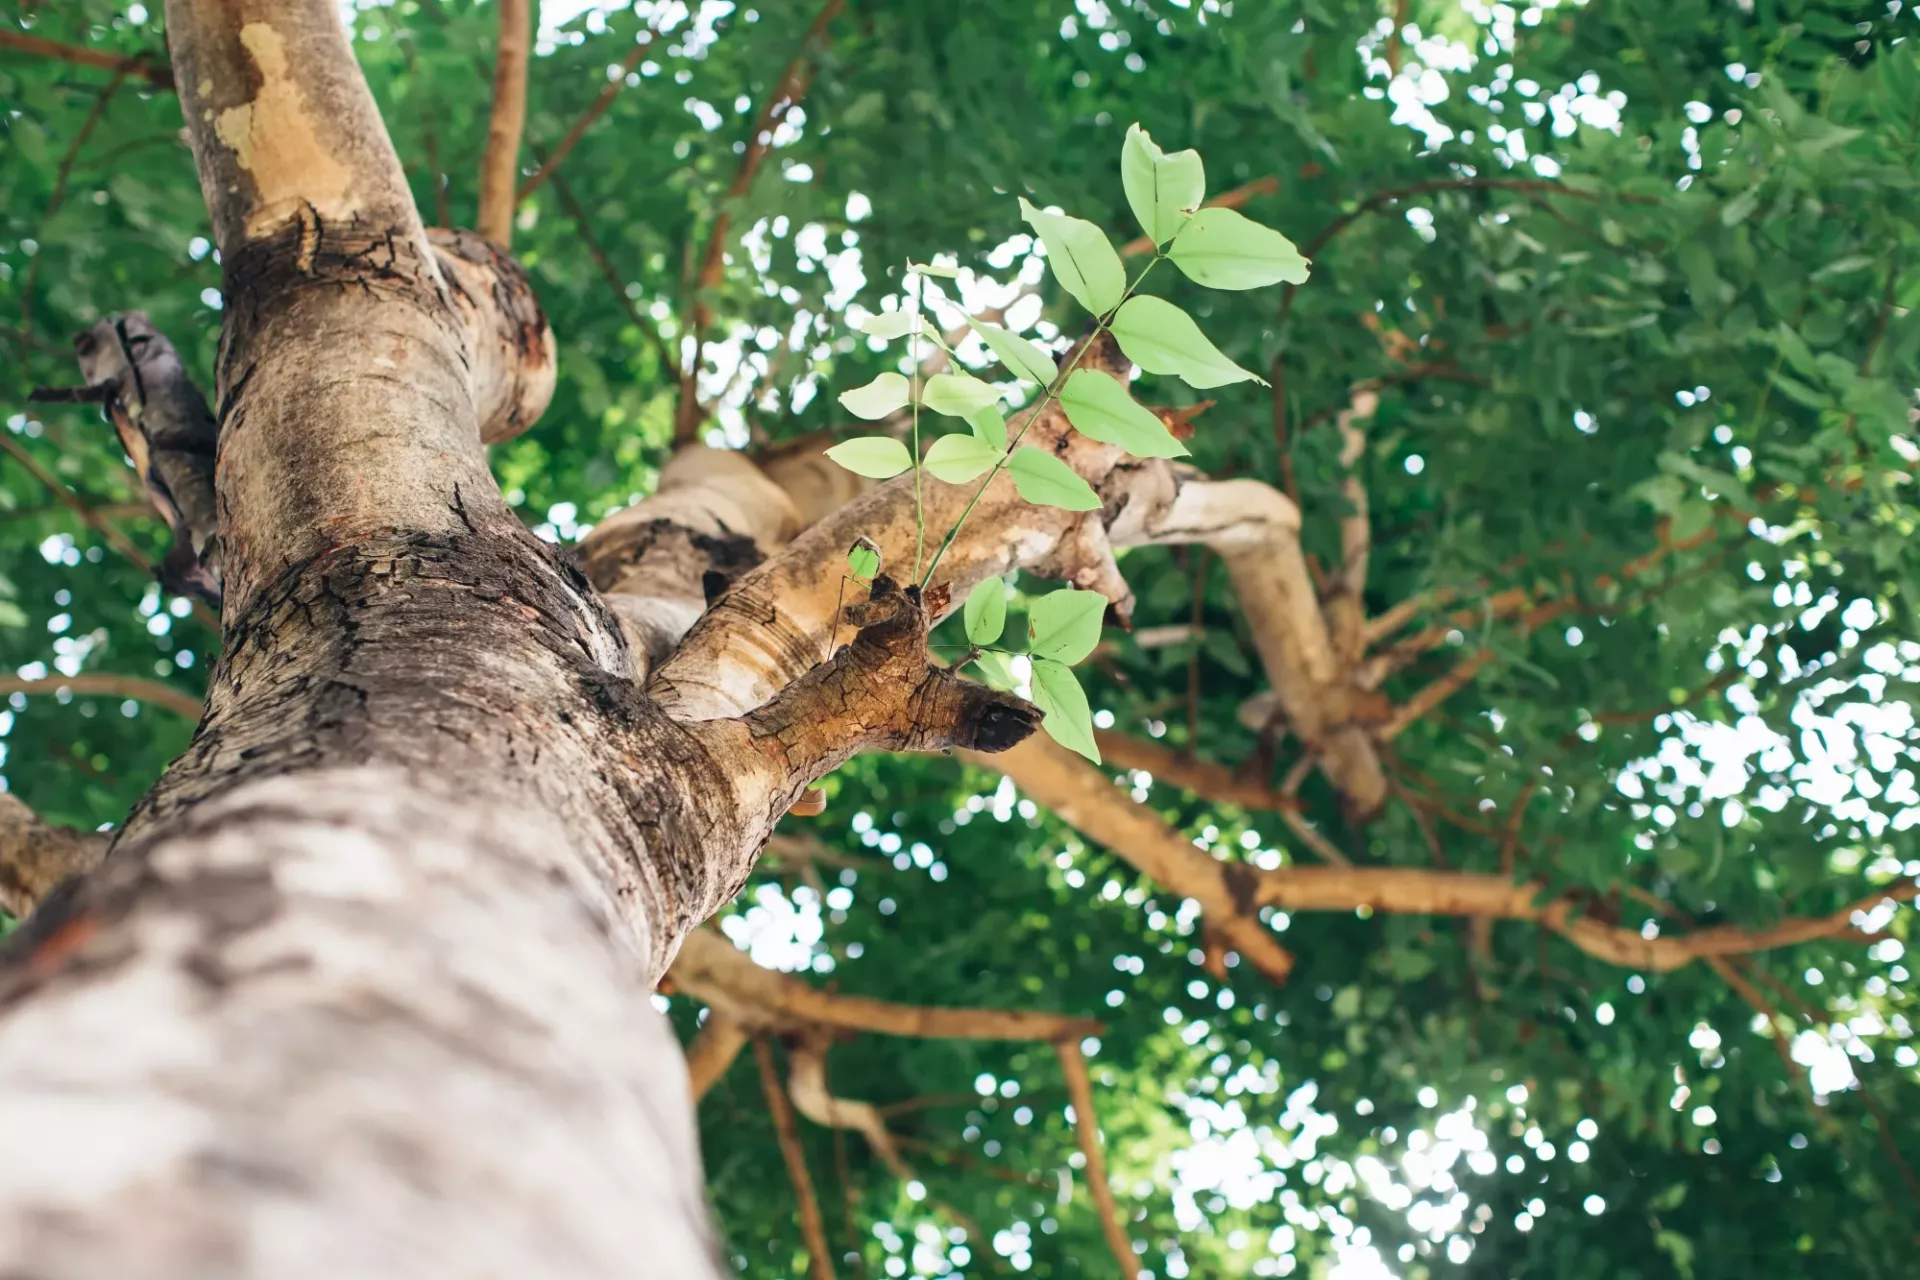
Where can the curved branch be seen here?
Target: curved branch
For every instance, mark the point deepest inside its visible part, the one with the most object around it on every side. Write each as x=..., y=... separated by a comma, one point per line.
x=807, y=1084
x=714, y=971
x=149, y=67
x=138, y=688
x=712, y=1052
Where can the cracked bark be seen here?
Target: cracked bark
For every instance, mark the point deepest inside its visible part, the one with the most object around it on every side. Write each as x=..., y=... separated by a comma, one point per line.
x=430, y=840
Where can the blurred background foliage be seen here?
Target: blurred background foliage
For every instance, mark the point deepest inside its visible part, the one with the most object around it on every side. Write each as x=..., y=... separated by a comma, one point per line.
x=1637, y=279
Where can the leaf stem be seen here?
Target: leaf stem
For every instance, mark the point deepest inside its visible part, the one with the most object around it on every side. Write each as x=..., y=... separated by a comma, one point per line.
x=919, y=512
x=1052, y=394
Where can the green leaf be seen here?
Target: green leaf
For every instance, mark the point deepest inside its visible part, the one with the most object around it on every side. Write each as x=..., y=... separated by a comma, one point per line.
x=959, y=458
x=1044, y=480
x=1021, y=357
x=1161, y=189
x=1223, y=250
x=1080, y=258
x=995, y=668
x=985, y=613
x=878, y=398
x=958, y=395
x=863, y=561
x=1101, y=408
x=934, y=269
x=888, y=325
x=1161, y=338
x=876, y=457
x=990, y=425
x=1065, y=625
x=1069, y=721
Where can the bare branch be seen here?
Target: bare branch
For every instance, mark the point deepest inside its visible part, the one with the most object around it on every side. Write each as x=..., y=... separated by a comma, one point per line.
x=648, y=329
x=500, y=165
x=712, y=1052
x=598, y=108
x=100, y=684
x=1202, y=777
x=1345, y=603
x=1087, y=1127
x=35, y=856
x=813, y=1228
x=713, y=970
x=149, y=67
x=807, y=1083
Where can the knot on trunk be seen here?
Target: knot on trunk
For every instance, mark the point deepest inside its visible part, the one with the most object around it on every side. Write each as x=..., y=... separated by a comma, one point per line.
x=883, y=691
x=511, y=346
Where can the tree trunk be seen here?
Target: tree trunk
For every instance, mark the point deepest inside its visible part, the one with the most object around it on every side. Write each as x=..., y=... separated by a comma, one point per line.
x=361, y=988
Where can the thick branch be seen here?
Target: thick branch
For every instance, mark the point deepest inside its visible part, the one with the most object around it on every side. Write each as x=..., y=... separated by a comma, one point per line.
x=500, y=165
x=35, y=856
x=511, y=347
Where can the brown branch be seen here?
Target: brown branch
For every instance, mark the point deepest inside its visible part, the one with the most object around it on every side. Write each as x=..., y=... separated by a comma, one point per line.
x=648, y=329
x=813, y=1228
x=1523, y=185
x=807, y=1085
x=715, y=971
x=36, y=856
x=59, y=193
x=1087, y=1128
x=101, y=684
x=500, y=164
x=1234, y=199
x=712, y=1052
x=1435, y=693
x=147, y=66
x=72, y=502
x=787, y=92
x=1204, y=778
x=587, y=118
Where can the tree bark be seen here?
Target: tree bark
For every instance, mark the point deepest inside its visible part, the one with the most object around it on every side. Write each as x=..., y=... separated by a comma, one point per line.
x=360, y=989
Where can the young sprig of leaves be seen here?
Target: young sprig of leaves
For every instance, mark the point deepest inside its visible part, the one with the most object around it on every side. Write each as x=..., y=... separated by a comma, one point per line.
x=1215, y=247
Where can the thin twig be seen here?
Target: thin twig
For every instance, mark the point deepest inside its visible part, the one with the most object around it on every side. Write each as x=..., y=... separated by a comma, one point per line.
x=648, y=329
x=147, y=66
x=813, y=1228
x=105, y=685
x=1525, y=185
x=59, y=194
x=1087, y=1128
x=501, y=162
x=587, y=118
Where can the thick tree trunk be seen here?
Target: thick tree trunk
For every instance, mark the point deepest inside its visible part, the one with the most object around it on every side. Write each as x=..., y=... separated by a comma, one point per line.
x=362, y=987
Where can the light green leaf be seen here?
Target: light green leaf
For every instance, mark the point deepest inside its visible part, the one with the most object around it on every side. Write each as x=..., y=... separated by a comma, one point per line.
x=985, y=613
x=1065, y=625
x=1044, y=480
x=863, y=561
x=990, y=425
x=934, y=269
x=1020, y=356
x=1069, y=721
x=1101, y=408
x=1161, y=189
x=958, y=395
x=958, y=459
x=878, y=398
x=888, y=325
x=876, y=457
x=1161, y=338
x=1080, y=258
x=995, y=668
x=1223, y=250
x=12, y=615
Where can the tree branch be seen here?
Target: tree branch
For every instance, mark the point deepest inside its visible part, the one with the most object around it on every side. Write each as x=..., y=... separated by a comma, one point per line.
x=1087, y=1127
x=713, y=1050
x=35, y=856
x=807, y=1083
x=594, y=111
x=101, y=684
x=149, y=67
x=500, y=164
x=1203, y=778
x=813, y=1228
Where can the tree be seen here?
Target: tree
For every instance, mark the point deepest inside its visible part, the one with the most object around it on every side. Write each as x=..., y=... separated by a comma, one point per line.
x=1467, y=897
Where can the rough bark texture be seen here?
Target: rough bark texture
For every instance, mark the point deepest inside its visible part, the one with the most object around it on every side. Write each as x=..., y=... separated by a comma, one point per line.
x=35, y=856
x=360, y=989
